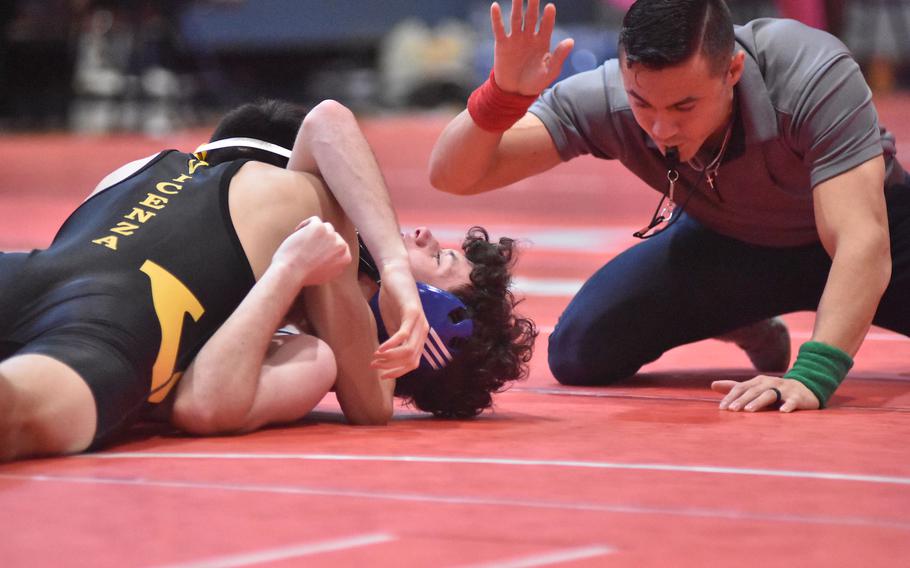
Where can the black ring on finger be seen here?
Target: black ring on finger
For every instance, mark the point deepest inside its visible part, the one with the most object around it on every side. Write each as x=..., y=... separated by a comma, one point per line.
x=777, y=394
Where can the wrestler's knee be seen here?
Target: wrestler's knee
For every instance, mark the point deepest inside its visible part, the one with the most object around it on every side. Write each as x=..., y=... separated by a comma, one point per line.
x=43, y=413
x=10, y=425
x=587, y=357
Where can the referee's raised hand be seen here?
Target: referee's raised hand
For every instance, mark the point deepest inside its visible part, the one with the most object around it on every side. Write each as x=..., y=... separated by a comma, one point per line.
x=522, y=60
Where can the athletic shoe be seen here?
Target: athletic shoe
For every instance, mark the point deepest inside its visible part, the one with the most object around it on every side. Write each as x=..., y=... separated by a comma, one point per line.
x=767, y=343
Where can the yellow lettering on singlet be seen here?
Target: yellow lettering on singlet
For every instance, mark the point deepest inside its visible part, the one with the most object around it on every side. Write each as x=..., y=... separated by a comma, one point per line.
x=195, y=165
x=124, y=228
x=109, y=241
x=154, y=201
x=140, y=215
x=162, y=187
x=172, y=301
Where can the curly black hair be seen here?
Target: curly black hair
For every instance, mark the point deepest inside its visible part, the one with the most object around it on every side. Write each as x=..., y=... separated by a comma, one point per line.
x=497, y=352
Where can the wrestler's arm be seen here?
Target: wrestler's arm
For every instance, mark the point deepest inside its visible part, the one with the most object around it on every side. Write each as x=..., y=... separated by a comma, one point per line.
x=339, y=315
x=331, y=144
x=242, y=379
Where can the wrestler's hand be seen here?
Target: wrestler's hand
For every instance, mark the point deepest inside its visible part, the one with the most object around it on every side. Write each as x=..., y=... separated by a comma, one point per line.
x=405, y=321
x=756, y=394
x=314, y=253
x=522, y=61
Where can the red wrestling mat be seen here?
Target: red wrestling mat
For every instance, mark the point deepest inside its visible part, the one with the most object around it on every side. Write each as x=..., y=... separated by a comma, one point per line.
x=645, y=473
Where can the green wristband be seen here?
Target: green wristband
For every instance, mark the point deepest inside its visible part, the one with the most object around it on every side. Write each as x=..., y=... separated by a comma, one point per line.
x=821, y=367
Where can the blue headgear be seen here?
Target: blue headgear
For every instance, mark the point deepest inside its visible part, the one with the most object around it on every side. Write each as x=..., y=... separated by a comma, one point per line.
x=448, y=318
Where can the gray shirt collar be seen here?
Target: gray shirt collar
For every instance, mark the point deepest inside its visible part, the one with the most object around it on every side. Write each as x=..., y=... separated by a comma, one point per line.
x=755, y=109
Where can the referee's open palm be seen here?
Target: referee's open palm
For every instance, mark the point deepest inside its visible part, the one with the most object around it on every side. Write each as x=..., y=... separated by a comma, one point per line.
x=522, y=61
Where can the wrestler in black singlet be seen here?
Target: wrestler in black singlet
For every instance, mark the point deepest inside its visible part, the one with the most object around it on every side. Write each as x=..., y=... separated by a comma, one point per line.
x=134, y=283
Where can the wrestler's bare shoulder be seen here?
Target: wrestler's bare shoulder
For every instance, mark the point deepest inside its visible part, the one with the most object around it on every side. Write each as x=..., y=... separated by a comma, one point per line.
x=263, y=181
x=267, y=203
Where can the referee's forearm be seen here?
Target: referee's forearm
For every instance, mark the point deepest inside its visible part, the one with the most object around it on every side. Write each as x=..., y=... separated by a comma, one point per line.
x=860, y=273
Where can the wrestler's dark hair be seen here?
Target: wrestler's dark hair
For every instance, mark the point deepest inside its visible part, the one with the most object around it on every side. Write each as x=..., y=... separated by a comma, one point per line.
x=499, y=348
x=663, y=33
x=267, y=120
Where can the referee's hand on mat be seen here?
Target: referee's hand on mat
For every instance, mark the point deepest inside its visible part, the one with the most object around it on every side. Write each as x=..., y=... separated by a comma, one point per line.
x=765, y=392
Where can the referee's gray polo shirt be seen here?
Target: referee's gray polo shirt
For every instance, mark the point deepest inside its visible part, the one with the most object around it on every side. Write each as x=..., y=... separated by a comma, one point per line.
x=805, y=115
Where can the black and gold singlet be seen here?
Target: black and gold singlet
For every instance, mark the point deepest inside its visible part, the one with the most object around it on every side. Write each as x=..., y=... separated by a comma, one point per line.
x=134, y=283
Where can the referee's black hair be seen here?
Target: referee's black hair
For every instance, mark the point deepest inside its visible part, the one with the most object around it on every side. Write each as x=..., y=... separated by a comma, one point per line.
x=267, y=120
x=663, y=33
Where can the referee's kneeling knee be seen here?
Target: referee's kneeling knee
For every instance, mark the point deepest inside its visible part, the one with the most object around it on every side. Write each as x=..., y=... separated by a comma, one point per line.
x=567, y=373
x=572, y=363
x=566, y=363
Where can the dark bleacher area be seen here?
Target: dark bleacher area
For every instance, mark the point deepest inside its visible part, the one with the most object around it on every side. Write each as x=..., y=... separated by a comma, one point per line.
x=153, y=65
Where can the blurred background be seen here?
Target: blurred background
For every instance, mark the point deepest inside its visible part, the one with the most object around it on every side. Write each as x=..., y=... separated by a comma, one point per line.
x=153, y=66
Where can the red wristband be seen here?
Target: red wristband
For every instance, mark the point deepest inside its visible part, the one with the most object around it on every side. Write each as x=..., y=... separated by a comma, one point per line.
x=495, y=110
